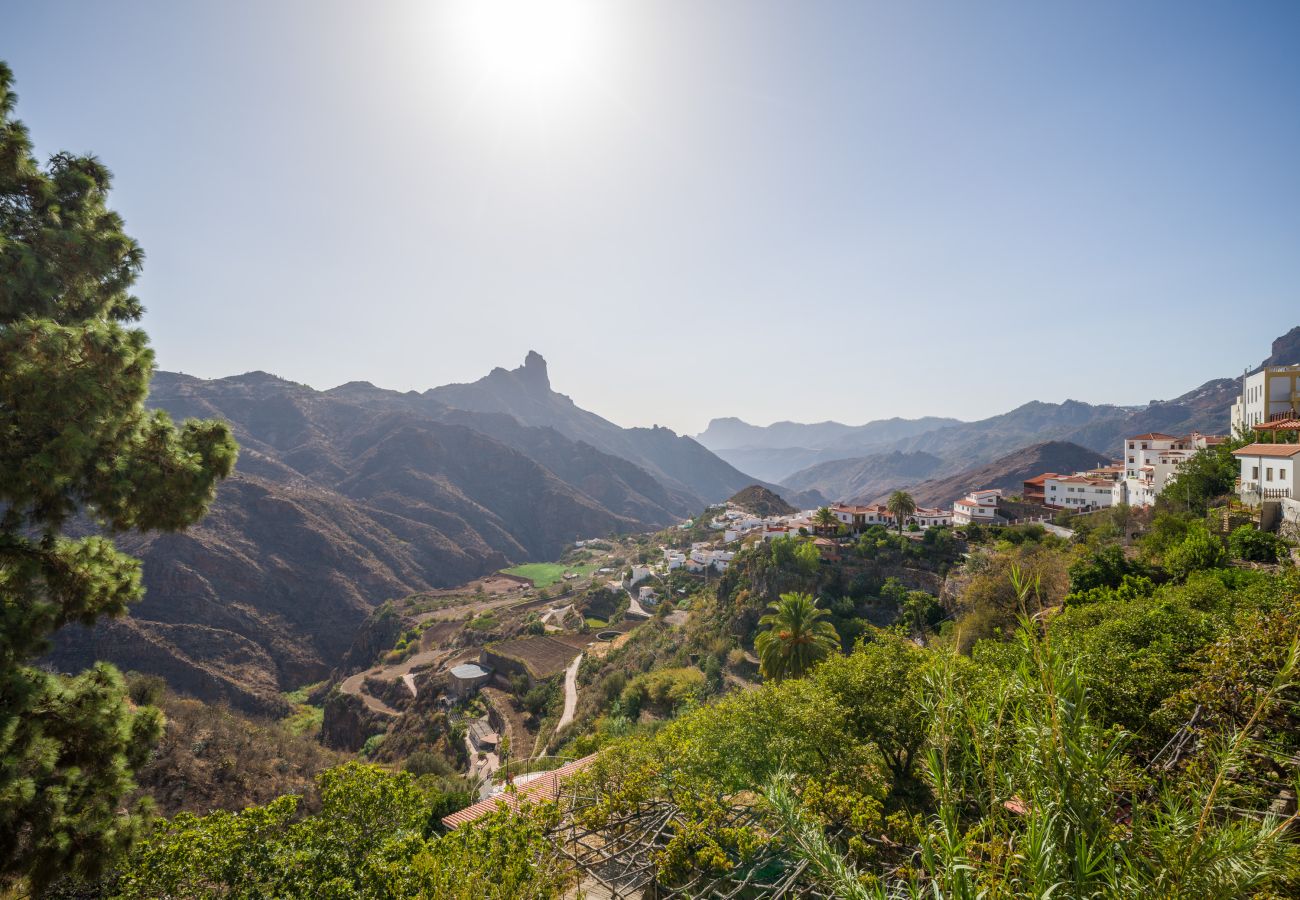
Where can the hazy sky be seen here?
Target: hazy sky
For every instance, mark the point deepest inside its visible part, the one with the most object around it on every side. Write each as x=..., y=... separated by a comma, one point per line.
x=799, y=210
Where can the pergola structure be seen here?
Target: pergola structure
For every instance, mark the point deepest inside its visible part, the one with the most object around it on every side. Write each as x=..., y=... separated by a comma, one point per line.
x=1273, y=426
x=618, y=860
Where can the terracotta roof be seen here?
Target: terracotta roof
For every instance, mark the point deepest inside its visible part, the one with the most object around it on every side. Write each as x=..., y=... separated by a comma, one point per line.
x=1152, y=436
x=1039, y=479
x=541, y=788
x=1280, y=451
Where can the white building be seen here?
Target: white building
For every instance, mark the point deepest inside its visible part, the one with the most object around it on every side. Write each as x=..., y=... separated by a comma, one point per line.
x=1150, y=462
x=639, y=573
x=674, y=558
x=859, y=518
x=1270, y=393
x=1077, y=492
x=977, y=507
x=1269, y=472
x=647, y=597
x=930, y=517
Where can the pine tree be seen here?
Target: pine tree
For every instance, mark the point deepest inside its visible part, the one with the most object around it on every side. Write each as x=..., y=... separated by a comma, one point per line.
x=75, y=441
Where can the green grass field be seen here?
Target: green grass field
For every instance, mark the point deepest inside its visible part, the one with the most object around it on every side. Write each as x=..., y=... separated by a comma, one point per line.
x=546, y=574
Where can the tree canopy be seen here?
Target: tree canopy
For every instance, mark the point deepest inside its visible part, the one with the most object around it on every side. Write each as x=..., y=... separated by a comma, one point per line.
x=75, y=440
x=797, y=636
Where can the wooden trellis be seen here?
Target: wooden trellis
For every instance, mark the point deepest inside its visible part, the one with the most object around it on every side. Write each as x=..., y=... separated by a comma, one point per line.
x=617, y=861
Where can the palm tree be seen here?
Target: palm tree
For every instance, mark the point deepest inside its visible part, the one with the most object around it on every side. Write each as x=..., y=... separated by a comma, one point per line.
x=901, y=505
x=798, y=636
x=825, y=519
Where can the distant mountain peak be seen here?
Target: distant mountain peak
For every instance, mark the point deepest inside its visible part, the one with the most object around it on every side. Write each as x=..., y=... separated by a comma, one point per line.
x=533, y=372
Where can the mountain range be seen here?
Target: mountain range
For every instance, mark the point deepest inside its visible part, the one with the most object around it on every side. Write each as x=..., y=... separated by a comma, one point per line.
x=348, y=497
x=345, y=498
x=844, y=462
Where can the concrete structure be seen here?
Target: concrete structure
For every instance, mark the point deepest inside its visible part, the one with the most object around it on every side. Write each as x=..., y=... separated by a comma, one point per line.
x=482, y=735
x=1078, y=492
x=977, y=507
x=1268, y=472
x=1271, y=393
x=647, y=597
x=464, y=680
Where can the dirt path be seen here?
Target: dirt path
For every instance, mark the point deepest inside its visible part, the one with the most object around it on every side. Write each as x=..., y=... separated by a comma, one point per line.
x=355, y=684
x=570, y=693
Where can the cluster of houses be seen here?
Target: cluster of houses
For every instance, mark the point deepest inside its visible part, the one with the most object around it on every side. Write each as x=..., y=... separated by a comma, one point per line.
x=858, y=518
x=1269, y=404
x=1149, y=463
x=701, y=558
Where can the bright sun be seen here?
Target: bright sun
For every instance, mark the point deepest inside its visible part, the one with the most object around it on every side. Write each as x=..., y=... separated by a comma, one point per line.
x=533, y=54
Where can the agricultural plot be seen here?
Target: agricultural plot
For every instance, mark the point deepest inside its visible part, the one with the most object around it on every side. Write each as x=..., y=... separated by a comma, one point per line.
x=543, y=656
x=546, y=574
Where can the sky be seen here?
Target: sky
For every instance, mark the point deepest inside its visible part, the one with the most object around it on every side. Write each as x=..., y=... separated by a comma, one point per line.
x=777, y=211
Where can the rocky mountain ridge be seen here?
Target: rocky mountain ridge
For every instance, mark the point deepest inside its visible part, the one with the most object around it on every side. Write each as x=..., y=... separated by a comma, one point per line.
x=345, y=498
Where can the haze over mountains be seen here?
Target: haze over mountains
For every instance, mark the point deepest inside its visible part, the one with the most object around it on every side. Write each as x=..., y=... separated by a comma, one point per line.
x=844, y=462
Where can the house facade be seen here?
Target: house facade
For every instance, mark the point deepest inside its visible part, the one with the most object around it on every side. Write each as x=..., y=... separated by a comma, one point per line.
x=1268, y=472
x=860, y=518
x=1150, y=461
x=1078, y=492
x=1271, y=393
x=977, y=507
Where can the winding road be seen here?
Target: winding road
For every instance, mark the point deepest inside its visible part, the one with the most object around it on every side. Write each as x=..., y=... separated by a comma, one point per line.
x=570, y=693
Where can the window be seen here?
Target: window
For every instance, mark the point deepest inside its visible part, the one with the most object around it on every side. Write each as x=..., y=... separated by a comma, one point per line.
x=1268, y=474
x=1254, y=472
x=1281, y=474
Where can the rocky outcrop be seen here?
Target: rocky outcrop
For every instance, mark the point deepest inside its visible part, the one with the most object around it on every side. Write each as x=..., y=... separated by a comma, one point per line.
x=348, y=724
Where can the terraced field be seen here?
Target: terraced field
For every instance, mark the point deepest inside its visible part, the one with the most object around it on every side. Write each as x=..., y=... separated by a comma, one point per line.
x=546, y=574
x=542, y=655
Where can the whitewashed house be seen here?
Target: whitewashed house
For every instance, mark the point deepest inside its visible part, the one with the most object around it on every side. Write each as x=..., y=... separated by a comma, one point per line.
x=1078, y=492
x=1269, y=472
x=977, y=507
x=1150, y=462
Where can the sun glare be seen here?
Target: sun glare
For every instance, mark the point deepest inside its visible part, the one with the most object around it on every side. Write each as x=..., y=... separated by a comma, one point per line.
x=536, y=55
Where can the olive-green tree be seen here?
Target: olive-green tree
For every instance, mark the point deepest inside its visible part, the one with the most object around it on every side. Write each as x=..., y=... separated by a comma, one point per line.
x=75, y=440
x=798, y=635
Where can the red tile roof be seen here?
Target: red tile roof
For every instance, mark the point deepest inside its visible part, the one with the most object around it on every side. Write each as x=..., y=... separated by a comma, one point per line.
x=1279, y=451
x=1152, y=436
x=541, y=788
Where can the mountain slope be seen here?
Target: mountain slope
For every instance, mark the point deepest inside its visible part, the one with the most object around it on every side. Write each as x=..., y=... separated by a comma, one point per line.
x=844, y=478
x=777, y=450
x=1008, y=472
x=336, y=506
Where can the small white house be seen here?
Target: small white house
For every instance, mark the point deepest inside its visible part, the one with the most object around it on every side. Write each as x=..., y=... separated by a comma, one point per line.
x=639, y=573
x=1268, y=472
x=1078, y=492
x=977, y=507
x=646, y=596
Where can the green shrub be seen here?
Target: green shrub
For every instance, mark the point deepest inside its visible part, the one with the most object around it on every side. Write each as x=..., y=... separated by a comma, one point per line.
x=1249, y=543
